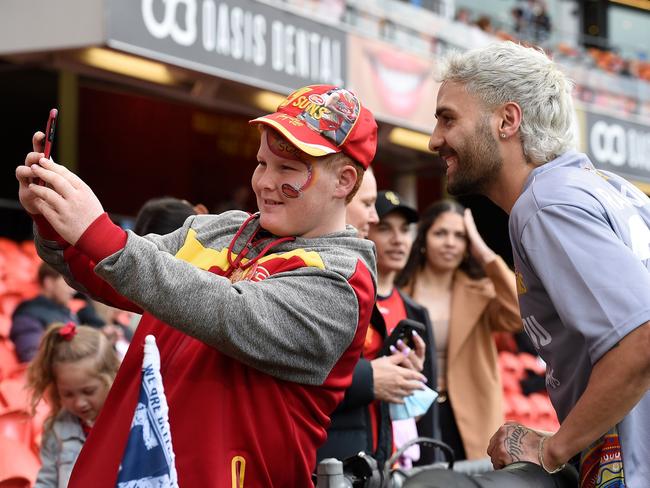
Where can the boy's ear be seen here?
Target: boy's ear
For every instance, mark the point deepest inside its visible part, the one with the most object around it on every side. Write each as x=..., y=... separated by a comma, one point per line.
x=346, y=180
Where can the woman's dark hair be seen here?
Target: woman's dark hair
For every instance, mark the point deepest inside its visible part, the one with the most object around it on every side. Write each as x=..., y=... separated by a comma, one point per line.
x=418, y=258
x=162, y=216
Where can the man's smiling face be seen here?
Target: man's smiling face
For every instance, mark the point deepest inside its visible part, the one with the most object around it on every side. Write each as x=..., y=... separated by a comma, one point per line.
x=464, y=139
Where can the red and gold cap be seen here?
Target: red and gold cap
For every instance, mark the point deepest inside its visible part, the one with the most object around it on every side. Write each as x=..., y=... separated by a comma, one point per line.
x=326, y=119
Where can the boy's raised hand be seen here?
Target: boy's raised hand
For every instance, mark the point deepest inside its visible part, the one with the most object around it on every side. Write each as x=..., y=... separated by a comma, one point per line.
x=25, y=176
x=68, y=204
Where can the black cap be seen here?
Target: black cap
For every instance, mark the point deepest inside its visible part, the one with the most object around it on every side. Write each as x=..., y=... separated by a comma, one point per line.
x=389, y=201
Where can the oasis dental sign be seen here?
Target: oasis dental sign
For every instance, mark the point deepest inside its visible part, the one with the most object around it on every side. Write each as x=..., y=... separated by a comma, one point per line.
x=619, y=146
x=241, y=40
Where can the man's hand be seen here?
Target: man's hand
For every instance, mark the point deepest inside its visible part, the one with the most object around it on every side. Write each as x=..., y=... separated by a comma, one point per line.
x=67, y=203
x=393, y=382
x=513, y=442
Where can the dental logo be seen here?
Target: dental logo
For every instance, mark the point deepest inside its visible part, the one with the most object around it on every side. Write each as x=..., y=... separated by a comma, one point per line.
x=297, y=49
x=185, y=36
x=619, y=144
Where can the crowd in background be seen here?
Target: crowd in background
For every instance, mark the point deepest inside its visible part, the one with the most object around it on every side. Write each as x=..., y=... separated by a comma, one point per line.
x=530, y=23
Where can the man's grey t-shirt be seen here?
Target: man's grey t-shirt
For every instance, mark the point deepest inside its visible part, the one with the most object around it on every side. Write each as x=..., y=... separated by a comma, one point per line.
x=581, y=245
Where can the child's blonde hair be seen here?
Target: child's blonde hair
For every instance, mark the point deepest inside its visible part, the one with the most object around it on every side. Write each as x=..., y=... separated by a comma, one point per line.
x=57, y=346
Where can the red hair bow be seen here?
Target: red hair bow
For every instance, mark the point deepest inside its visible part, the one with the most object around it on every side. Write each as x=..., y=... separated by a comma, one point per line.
x=68, y=331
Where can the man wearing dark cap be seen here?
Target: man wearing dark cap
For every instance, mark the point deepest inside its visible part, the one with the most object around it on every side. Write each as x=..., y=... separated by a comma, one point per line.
x=392, y=237
x=259, y=319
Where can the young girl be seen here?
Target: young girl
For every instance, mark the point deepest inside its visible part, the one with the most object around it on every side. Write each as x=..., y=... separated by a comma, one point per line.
x=73, y=369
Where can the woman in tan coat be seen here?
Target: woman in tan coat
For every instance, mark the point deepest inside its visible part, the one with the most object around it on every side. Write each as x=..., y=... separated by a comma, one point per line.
x=469, y=293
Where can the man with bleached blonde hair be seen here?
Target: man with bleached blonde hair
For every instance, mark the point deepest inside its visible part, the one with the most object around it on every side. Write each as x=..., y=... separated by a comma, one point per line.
x=581, y=243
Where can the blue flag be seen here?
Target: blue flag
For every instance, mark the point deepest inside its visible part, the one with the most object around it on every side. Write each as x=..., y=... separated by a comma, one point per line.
x=148, y=459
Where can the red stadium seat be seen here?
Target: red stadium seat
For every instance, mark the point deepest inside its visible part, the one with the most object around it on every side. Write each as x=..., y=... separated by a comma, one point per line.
x=3, y=273
x=5, y=325
x=531, y=363
x=546, y=417
x=7, y=246
x=520, y=409
x=17, y=426
x=18, y=465
x=9, y=302
x=14, y=395
x=20, y=270
x=9, y=365
x=29, y=249
x=510, y=383
x=76, y=304
x=509, y=364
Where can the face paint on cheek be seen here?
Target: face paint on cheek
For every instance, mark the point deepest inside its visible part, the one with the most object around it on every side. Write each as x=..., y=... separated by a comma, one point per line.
x=283, y=149
x=290, y=190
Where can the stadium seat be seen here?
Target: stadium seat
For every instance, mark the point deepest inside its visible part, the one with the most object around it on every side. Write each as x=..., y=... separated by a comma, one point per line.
x=546, y=417
x=14, y=395
x=520, y=409
x=509, y=364
x=7, y=246
x=531, y=363
x=29, y=249
x=17, y=426
x=21, y=276
x=20, y=268
x=18, y=465
x=5, y=325
x=510, y=383
x=9, y=365
x=9, y=302
x=76, y=304
x=3, y=273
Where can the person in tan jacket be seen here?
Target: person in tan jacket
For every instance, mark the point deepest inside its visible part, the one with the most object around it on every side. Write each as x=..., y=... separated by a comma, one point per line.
x=469, y=293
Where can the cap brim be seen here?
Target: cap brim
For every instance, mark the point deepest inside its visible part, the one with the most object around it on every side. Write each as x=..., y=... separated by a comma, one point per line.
x=410, y=214
x=298, y=133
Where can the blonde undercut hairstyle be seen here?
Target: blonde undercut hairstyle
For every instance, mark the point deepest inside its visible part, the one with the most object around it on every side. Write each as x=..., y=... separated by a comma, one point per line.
x=508, y=72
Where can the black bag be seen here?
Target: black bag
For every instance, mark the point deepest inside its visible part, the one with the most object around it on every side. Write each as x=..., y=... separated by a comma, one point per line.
x=447, y=475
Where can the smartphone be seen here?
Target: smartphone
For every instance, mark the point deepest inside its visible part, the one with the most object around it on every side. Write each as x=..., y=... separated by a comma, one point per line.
x=49, y=131
x=404, y=331
x=49, y=138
